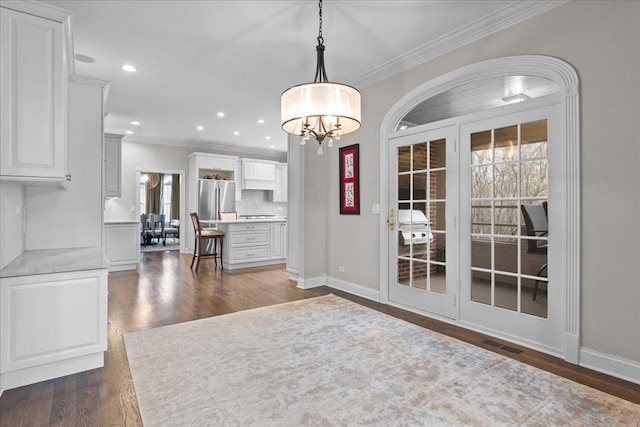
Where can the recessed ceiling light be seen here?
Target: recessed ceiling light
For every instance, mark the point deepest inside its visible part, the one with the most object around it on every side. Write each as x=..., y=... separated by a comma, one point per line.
x=220, y=114
x=135, y=123
x=84, y=58
x=235, y=132
x=272, y=146
x=267, y=137
x=260, y=121
x=200, y=128
x=129, y=132
x=128, y=67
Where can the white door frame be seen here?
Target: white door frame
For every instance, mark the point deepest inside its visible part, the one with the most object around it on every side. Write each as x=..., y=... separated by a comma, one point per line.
x=183, y=198
x=566, y=78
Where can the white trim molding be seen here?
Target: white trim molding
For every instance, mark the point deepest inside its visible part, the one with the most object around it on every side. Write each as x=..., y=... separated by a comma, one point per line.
x=312, y=282
x=566, y=78
x=354, y=289
x=507, y=16
x=621, y=368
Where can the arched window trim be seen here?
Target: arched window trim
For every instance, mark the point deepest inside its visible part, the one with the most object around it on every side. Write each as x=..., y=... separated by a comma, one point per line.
x=566, y=78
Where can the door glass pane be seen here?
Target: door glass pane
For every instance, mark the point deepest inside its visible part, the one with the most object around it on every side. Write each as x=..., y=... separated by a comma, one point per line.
x=438, y=153
x=481, y=152
x=404, y=159
x=481, y=251
x=534, y=140
x=404, y=272
x=420, y=156
x=420, y=186
x=481, y=287
x=438, y=185
x=420, y=274
x=404, y=187
x=537, y=307
x=505, y=180
x=505, y=292
x=481, y=182
x=533, y=178
x=508, y=179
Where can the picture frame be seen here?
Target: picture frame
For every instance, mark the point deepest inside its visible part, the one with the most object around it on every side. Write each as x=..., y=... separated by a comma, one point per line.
x=349, y=159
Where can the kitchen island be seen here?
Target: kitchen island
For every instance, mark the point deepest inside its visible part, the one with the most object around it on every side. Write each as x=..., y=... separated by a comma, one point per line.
x=53, y=314
x=252, y=242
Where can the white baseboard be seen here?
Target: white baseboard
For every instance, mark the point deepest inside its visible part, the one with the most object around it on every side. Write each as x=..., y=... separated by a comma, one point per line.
x=611, y=365
x=354, y=288
x=294, y=273
x=312, y=282
x=35, y=374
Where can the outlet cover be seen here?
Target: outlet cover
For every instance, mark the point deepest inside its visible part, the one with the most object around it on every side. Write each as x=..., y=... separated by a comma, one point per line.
x=375, y=209
x=341, y=269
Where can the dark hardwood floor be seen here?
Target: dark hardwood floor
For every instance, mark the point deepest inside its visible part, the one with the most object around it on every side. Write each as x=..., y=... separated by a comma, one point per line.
x=166, y=291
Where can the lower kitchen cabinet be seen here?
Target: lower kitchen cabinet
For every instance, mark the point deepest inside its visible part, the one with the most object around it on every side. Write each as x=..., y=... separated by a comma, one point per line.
x=251, y=244
x=122, y=244
x=52, y=325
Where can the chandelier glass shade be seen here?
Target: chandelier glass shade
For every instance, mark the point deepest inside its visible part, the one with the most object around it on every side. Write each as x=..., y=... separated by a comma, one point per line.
x=321, y=109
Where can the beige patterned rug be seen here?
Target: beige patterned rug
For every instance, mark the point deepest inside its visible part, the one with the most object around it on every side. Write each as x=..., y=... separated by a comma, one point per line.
x=329, y=362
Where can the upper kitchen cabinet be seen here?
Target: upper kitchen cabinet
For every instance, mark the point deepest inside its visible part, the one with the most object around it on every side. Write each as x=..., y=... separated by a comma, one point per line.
x=112, y=165
x=34, y=73
x=258, y=174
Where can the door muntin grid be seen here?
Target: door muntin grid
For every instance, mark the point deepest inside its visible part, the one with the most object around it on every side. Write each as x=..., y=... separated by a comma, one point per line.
x=509, y=168
x=421, y=212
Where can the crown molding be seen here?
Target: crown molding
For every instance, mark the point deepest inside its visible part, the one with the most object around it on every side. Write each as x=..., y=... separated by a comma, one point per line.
x=507, y=16
x=203, y=145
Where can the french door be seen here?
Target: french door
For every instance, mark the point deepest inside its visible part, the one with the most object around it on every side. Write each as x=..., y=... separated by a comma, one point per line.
x=507, y=284
x=423, y=180
x=471, y=225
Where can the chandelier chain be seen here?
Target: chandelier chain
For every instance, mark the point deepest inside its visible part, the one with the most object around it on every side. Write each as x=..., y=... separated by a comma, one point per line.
x=320, y=38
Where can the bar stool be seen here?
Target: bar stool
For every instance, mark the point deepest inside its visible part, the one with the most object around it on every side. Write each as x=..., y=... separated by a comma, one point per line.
x=202, y=235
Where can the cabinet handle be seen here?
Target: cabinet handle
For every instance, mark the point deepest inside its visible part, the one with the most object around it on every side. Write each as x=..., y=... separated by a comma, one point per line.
x=68, y=177
x=252, y=238
x=251, y=254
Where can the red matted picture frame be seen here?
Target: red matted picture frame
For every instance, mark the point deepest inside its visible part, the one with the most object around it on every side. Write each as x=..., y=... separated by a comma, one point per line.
x=350, y=180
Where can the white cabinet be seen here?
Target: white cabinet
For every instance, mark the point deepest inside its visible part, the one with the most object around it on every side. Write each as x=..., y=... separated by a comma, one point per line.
x=279, y=240
x=33, y=82
x=217, y=163
x=280, y=192
x=250, y=244
x=258, y=174
x=40, y=339
x=112, y=165
x=122, y=244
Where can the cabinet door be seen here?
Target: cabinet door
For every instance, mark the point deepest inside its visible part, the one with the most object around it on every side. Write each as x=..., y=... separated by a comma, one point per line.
x=279, y=240
x=33, y=118
x=259, y=171
x=217, y=163
x=34, y=331
x=112, y=165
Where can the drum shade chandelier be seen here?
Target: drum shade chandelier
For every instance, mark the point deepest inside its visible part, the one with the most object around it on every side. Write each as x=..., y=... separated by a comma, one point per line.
x=322, y=109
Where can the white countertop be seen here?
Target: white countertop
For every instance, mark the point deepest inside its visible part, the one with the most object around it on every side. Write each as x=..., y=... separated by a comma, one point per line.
x=121, y=221
x=47, y=261
x=243, y=220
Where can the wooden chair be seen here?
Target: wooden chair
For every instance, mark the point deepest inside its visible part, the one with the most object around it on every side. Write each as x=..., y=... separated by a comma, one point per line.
x=201, y=236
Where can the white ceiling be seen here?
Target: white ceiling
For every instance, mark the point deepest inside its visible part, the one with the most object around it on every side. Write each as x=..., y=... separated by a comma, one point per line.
x=198, y=58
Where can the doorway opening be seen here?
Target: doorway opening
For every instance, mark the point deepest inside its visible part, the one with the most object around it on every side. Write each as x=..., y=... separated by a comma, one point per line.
x=160, y=202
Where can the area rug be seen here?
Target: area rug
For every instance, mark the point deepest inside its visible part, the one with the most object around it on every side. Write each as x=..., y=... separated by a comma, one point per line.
x=326, y=361
x=171, y=245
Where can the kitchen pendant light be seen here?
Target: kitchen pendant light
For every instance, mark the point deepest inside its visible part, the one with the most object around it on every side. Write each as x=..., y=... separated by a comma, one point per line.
x=322, y=109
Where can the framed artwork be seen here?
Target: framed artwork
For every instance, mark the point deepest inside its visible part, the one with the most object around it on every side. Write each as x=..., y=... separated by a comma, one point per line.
x=350, y=180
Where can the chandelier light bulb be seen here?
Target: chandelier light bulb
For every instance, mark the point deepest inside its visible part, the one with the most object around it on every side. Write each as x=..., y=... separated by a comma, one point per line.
x=320, y=149
x=330, y=144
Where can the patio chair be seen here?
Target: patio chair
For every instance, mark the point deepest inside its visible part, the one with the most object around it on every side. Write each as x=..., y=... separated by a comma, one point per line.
x=536, y=225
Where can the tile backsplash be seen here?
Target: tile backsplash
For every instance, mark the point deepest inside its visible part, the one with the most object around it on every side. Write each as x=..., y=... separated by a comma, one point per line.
x=256, y=202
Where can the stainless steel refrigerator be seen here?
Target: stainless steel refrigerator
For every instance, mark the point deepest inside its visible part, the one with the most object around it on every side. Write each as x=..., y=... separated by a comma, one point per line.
x=214, y=196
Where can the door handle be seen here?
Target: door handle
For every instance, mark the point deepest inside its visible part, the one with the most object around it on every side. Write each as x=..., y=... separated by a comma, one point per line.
x=391, y=220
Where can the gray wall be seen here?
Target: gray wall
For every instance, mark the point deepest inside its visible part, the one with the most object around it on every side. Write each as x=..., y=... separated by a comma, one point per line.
x=600, y=40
